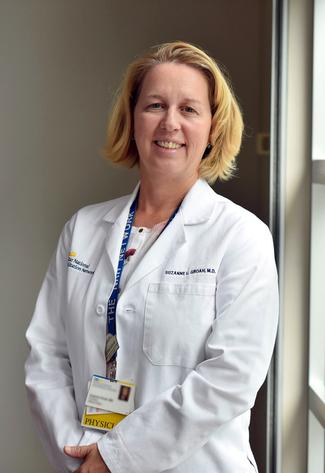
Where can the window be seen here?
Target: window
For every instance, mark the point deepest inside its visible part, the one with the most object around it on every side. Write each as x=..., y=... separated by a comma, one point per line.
x=316, y=435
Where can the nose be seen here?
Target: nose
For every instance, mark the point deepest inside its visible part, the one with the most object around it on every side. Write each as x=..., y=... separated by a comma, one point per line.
x=170, y=120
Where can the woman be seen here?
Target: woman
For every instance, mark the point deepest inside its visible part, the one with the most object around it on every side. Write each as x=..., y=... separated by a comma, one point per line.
x=188, y=276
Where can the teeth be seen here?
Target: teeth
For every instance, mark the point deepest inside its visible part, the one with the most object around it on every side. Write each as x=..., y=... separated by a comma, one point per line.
x=168, y=144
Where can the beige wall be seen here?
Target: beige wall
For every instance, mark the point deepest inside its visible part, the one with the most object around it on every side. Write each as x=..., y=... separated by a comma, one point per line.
x=60, y=62
x=56, y=72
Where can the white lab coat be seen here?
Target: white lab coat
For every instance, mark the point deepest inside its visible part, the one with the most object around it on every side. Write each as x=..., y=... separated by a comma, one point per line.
x=196, y=325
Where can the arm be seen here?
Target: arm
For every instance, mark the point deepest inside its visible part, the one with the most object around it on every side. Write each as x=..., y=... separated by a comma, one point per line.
x=168, y=430
x=49, y=379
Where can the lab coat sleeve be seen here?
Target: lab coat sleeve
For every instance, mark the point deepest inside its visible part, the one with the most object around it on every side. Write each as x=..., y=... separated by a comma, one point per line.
x=49, y=379
x=168, y=430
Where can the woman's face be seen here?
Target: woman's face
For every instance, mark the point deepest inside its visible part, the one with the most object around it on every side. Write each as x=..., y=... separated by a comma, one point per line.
x=172, y=122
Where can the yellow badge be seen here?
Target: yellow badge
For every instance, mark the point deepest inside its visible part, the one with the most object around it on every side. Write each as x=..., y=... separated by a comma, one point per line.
x=100, y=421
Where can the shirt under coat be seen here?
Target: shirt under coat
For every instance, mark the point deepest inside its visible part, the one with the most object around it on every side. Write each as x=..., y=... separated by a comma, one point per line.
x=196, y=325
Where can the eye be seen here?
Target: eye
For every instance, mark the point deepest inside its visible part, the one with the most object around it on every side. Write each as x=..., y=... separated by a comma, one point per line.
x=189, y=109
x=155, y=106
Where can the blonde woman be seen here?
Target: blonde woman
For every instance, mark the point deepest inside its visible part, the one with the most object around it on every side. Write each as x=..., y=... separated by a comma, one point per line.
x=179, y=289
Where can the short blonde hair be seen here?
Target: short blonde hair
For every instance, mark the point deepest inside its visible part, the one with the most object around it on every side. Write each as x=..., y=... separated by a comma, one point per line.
x=226, y=126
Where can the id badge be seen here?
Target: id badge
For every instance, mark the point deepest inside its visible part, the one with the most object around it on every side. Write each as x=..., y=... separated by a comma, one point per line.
x=97, y=418
x=111, y=395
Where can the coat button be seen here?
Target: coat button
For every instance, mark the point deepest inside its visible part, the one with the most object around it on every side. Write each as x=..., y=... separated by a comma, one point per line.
x=100, y=309
x=129, y=308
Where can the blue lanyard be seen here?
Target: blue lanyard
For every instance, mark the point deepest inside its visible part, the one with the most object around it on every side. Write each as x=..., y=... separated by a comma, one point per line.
x=112, y=301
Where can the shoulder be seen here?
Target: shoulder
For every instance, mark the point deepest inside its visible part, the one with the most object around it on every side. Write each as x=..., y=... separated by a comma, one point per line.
x=241, y=217
x=237, y=218
x=94, y=214
x=97, y=212
x=91, y=221
x=204, y=204
x=240, y=230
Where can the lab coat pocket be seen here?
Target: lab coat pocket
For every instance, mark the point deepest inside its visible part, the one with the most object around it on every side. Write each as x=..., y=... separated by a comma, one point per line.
x=178, y=320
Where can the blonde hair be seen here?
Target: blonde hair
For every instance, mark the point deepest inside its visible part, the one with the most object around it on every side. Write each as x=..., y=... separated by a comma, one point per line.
x=226, y=126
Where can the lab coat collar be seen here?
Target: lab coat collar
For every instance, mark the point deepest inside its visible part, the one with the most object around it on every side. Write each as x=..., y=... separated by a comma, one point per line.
x=196, y=208
x=119, y=212
x=198, y=203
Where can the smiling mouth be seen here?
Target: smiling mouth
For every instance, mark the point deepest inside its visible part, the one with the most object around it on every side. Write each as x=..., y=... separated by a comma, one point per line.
x=169, y=144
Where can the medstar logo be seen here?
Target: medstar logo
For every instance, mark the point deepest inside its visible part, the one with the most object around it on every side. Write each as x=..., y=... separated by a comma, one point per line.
x=77, y=264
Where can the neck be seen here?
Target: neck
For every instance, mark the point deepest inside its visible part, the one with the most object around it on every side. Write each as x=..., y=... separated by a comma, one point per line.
x=158, y=200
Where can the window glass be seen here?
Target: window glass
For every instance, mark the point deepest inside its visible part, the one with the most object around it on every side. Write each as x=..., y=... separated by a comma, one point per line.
x=316, y=438
x=317, y=291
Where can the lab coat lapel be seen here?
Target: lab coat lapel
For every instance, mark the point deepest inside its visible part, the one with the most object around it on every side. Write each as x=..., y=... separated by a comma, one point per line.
x=167, y=244
x=117, y=218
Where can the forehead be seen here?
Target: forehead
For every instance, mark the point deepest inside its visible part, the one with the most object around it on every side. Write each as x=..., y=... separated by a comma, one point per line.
x=173, y=78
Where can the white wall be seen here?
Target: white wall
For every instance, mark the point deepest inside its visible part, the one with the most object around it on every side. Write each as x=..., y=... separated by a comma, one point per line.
x=60, y=62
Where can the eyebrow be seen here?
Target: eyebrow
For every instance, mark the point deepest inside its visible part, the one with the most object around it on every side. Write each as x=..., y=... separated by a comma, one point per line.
x=186, y=99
